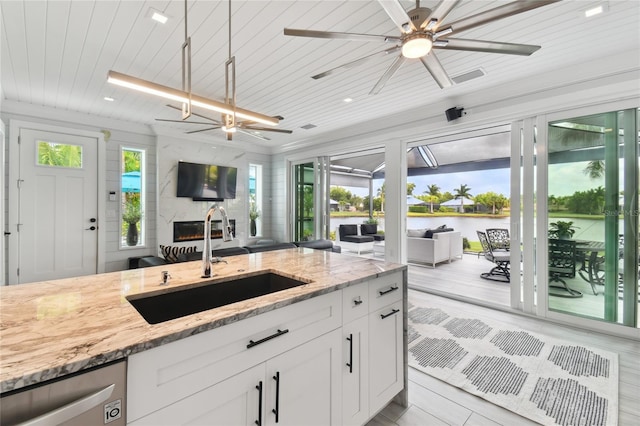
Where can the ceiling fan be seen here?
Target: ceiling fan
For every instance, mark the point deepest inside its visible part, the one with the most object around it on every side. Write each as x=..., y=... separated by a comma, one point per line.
x=246, y=127
x=422, y=30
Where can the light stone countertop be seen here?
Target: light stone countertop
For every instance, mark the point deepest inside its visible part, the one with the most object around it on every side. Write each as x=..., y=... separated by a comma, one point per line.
x=53, y=328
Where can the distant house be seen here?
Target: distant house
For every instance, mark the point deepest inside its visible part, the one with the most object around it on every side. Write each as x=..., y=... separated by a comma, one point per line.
x=455, y=203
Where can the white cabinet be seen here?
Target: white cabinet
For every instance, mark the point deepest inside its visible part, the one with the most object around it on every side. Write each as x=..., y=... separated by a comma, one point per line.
x=329, y=360
x=159, y=377
x=299, y=387
x=386, y=355
x=355, y=372
x=232, y=402
x=303, y=384
x=373, y=348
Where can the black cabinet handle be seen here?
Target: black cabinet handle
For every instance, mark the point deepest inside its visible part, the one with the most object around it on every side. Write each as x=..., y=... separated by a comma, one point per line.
x=276, y=410
x=350, y=363
x=393, y=311
x=357, y=301
x=382, y=293
x=273, y=336
x=259, y=421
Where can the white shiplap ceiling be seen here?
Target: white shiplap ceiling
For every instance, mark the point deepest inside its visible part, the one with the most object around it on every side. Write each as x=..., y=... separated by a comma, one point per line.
x=57, y=54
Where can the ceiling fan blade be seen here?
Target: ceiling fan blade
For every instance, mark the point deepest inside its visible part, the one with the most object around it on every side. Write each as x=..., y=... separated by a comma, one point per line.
x=388, y=74
x=203, y=130
x=336, y=35
x=488, y=46
x=267, y=129
x=499, y=12
x=255, y=135
x=439, y=13
x=438, y=73
x=398, y=15
x=196, y=114
x=356, y=62
x=184, y=122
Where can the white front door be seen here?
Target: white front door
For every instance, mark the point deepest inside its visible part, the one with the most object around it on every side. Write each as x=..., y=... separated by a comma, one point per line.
x=57, y=205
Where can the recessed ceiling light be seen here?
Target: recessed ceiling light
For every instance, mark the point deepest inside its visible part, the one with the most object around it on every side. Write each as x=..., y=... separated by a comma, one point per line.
x=109, y=99
x=347, y=100
x=157, y=16
x=594, y=11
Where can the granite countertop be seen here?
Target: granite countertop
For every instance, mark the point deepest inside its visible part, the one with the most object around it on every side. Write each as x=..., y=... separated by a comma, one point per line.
x=53, y=328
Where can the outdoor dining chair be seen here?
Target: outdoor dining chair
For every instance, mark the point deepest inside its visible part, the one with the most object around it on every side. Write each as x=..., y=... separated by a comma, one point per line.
x=500, y=272
x=562, y=264
x=498, y=238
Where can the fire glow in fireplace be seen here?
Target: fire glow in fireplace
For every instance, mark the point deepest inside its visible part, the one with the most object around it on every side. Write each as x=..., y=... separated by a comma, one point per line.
x=194, y=230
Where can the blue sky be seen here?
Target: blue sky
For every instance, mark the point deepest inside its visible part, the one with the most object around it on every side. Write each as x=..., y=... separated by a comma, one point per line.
x=564, y=179
x=479, y=181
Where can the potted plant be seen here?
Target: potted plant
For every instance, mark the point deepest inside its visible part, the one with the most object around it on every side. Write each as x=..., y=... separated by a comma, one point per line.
x=254, y=214
x=132, y=216
x=562, y=230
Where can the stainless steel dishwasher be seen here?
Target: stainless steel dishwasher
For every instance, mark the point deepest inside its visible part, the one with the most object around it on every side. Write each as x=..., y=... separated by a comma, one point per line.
x=87, y=398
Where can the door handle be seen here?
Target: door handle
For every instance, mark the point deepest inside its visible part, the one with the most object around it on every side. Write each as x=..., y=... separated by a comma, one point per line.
x=350, y=363
x=259, y=421
x=91, y=228
x=276, y=410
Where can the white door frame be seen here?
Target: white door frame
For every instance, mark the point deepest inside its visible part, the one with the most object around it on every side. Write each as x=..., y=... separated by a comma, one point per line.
x=2, y=195
x=14, y=131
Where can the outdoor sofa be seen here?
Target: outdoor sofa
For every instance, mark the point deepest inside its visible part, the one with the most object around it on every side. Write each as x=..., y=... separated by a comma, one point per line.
x=433, y=246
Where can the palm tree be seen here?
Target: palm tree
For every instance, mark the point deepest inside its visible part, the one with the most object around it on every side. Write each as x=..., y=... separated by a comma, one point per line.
x=462, y=193
x=434, y=192
x=595, y=169
x=380, y=194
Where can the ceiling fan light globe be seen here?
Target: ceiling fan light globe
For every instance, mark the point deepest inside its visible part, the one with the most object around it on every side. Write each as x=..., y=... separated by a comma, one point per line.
x=229, y=129
x=416, y=47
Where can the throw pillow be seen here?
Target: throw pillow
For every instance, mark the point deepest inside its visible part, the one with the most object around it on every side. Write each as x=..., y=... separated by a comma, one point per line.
x=171, y=252
x=416, y=233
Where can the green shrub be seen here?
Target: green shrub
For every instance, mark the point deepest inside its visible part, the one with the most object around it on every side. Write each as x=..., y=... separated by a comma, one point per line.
x=418, y=209
x=465, y=244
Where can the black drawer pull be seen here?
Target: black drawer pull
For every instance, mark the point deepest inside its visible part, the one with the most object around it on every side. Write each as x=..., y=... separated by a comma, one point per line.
x=357, y=301
x=382, y=293
x=393, y=311
x=273, y=336
x=350, y=363
x=259, y=421
x=276, y=410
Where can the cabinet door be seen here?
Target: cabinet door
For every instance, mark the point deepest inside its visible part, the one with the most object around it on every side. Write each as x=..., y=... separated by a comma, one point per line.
x=385, y=355
x=232, y=402
x=304, y=384
x=355, y=372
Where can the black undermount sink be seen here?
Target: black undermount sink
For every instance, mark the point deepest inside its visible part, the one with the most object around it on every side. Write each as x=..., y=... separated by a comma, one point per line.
x=179, y=303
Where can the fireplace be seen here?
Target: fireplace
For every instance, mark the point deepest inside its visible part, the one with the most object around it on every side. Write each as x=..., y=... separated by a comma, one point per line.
x=194, y=230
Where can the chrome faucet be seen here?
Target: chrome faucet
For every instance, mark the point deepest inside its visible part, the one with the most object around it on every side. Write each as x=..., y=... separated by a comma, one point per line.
x=227, y=235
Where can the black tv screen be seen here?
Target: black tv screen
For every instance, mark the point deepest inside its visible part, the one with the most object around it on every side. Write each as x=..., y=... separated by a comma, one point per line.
x=206, y=182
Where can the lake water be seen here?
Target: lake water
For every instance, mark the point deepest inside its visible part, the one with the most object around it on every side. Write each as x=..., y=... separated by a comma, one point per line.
x=587, y=229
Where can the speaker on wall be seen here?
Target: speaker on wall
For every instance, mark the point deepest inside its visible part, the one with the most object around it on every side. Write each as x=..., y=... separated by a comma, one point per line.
x=453, y=113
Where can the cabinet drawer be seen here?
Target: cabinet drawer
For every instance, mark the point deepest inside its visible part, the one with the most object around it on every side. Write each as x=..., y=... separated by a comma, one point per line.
x=165, y=374
x=355, y=302
x=384, y=290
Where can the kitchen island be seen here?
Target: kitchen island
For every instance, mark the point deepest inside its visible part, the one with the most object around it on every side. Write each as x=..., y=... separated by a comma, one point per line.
x=54, y=328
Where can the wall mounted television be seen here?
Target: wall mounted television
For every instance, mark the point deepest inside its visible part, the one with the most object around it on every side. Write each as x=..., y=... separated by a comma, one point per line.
x=206, y=182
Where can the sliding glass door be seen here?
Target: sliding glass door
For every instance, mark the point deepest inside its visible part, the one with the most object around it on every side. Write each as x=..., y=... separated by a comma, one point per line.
x=310, y=199
x=592, y=209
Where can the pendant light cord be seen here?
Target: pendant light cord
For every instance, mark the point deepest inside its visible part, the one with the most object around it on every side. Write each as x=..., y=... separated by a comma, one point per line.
x=229, y=29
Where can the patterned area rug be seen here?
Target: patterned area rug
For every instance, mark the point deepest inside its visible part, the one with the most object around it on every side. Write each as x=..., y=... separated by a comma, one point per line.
x=548, y=381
